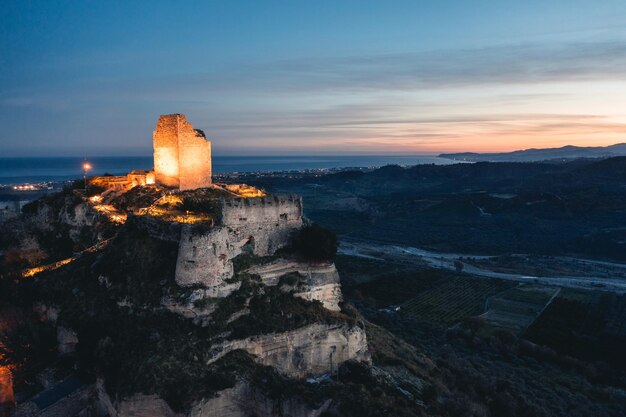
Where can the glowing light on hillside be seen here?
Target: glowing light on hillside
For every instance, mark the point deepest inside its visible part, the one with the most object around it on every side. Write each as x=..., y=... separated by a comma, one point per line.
x=7, y=397
x=244, y=190
x=111, y=212
x=31, y=272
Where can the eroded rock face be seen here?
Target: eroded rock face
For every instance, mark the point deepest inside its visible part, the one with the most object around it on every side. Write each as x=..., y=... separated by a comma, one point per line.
x=262, y=225
x=141, y=405
x=67, y=340
x=309, y=350
x=319, y=281
x=244, y=400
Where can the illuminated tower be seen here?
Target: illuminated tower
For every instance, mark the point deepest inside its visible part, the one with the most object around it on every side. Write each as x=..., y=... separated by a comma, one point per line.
x=182, y=154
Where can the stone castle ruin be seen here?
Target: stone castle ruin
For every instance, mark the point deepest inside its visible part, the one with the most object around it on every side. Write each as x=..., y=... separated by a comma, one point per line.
x=182, y=154
x=229, y=239
x=245, y=222
x=182, y=159
x=259, y=225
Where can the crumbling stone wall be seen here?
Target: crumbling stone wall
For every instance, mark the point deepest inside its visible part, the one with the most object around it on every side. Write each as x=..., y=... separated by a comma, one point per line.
x=182, y=154
x=262, y=224
x=249, y=216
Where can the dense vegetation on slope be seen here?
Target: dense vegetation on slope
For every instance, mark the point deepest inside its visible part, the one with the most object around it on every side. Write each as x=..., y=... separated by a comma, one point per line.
x=575, y=369
x=112, y=299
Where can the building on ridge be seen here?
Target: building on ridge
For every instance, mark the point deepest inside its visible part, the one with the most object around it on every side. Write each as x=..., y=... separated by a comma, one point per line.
x=182, y=154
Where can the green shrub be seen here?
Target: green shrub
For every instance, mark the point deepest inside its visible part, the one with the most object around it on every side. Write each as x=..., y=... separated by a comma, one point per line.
x=315, y=243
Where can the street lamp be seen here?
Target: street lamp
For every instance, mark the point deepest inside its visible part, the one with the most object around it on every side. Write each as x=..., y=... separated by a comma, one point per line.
x=86, y=167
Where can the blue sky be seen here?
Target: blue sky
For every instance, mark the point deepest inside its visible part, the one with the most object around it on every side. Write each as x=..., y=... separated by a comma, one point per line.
x=323, y=77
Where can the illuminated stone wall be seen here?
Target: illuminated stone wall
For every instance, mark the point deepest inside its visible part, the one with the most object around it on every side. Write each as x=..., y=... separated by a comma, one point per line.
x=124, y=182
x=182, y=155
x=264, y=224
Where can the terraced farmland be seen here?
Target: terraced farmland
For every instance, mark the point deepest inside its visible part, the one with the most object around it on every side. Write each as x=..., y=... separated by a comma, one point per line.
x=453, y=300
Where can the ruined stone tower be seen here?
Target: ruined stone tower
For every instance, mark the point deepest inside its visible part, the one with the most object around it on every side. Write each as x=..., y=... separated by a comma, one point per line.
x=182, y=154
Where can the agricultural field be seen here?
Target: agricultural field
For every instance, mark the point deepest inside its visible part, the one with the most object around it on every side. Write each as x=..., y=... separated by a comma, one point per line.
x=441, y=297
x=516, y=308
x=453, y=300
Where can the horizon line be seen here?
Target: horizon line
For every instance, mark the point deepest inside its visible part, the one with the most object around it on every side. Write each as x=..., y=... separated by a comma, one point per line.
x=298, y=154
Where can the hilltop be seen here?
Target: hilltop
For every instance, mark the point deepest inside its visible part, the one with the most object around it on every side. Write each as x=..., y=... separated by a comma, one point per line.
x=568, y=152
x=173, y=301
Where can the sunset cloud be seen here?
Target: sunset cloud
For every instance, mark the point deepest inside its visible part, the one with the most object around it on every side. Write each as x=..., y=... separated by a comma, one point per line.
x=414, y=93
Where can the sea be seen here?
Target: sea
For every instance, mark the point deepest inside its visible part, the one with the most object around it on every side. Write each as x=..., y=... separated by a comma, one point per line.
x=38, y=170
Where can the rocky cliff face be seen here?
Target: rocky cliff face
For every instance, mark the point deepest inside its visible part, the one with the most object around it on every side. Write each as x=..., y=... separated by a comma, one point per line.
x=311, y=350
x=281, y=316
x=53, y=228
x=142, y=405
x=243, y=400
x=318, y=281
x=68, y=210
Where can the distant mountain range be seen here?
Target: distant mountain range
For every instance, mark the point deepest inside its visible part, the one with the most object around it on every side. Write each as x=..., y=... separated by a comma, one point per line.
x=549, y=154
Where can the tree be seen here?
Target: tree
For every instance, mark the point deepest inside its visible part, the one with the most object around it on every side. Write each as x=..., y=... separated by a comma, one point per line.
x=315, y=243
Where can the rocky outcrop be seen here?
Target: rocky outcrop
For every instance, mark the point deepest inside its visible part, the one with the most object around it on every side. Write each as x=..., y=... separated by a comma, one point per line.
x=67, y=340
x=310, y=350
x=141, y=405
x=319, y=281
x=244, y=400
x=67, y=209
x=261, y=225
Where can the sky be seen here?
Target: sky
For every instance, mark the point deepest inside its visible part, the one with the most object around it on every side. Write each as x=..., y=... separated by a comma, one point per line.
x=312, y=77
